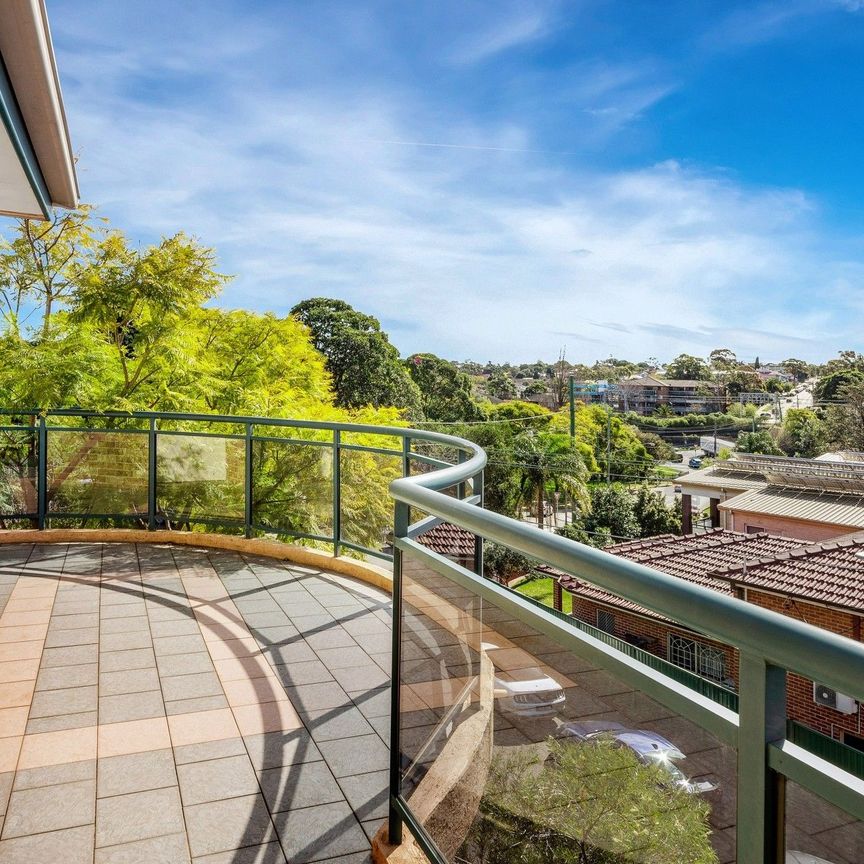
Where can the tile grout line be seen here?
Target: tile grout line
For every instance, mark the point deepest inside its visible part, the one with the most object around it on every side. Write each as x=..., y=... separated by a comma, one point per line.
x=162, y=693
x=39, y=667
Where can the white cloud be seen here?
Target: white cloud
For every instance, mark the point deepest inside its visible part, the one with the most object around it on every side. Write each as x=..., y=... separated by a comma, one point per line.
x=489, y=253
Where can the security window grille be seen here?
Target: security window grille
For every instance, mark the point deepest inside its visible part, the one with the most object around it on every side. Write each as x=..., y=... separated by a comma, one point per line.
x=703, y=659
x=605, y=621
x=682, y=652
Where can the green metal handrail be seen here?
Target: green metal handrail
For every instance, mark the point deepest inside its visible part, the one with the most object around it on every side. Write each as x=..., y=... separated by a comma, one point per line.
x=36, y=423
x=769, y=644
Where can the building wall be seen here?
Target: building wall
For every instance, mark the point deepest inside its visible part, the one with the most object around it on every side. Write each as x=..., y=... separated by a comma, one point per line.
x=801, y=706
x=800, y=690
x=784, y=527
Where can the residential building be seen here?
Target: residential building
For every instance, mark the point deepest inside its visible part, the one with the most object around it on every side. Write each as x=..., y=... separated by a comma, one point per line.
x=646, y=393
x=807, y=499
x=822, y=584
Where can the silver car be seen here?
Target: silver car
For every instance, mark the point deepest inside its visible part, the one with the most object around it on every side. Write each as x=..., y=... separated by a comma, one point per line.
x=650, y=748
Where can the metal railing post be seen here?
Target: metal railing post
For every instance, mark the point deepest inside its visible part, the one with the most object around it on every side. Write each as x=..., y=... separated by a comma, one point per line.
x=762, y=719
x=247, y=484
x=337, y=494
x=401, y=520
x=42, y=474
x=151, y=476
x=478, y=539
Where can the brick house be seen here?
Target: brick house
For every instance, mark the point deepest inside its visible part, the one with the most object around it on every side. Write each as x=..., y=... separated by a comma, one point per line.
x=821, y=584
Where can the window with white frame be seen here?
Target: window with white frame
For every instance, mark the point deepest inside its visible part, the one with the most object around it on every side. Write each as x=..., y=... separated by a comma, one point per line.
x=606, y=621
x=703, y=659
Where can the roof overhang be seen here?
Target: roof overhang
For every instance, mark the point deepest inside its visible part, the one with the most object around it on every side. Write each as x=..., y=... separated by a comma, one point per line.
x=37, y=170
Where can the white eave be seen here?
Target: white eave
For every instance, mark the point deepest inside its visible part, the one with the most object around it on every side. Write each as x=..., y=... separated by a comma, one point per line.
x=37, y=170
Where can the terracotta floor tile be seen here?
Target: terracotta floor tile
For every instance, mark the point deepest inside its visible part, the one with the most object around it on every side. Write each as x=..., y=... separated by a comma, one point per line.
x=269, y=717
x=56, y=748
x=9, y=750
x=23, y=634
x=29, y=604
x=202, y=726
x=14, y=694
x=13, y=721
x=19, y=670
x=25, y=619
x=31, y=650
x=222, y=629
x=237, y=669
x=233, y=648
x=133, y=736
x=254, y=691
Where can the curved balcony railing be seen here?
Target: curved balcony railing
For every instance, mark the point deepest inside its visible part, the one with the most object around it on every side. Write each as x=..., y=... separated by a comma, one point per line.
x=486, y=683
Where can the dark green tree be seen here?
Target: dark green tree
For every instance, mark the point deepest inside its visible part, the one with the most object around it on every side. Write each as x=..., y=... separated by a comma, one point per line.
x=652, y=514
x=444, y=391
x=761, y=442
x=365, y=367
x=500, y=386
x=828, y=387
x=686, y=366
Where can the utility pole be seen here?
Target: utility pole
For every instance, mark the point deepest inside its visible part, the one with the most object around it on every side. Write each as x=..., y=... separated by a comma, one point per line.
x=608, y=442
x=572, y=408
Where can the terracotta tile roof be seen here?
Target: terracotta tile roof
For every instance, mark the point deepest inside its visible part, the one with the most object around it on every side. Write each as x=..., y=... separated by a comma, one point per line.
x=831, y=572
x=450, y=540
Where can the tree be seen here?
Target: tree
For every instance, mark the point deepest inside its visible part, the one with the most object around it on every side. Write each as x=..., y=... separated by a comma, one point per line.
x=800, y=369
x=365, y=367
x=500, y=386
x=743, y=380
x=550, y=462
x=687, y=367
x=586, y=803
x=845, y=421
x=722, y=359
x=829, y=387
x=760, y=442
x=445, y=392
x=803, y=433
x=503, y=563
x=652, y=514
x=657, y=448
x=612, y=509
x=535, y=388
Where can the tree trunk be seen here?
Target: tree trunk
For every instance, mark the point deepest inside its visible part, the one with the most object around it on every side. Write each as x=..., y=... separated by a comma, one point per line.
x=540, y=505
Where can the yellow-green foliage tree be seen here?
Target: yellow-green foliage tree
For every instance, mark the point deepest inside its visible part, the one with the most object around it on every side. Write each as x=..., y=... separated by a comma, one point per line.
x=90, y=322
x=588, y=804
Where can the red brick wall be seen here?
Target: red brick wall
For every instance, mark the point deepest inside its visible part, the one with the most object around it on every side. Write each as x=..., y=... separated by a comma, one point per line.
x=801, y=706
x=800, y=690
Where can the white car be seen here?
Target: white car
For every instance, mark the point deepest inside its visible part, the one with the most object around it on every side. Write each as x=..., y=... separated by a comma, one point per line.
x=535, y=695
x=805, y=858
x=649, y=747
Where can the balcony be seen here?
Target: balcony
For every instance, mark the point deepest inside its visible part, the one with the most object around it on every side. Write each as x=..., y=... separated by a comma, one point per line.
x=225, y=690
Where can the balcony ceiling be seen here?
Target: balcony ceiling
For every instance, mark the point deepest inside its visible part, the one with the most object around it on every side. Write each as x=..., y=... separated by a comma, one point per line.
x=36, y=166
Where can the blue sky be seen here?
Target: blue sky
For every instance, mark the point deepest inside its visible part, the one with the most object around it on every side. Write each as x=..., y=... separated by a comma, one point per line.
x=495, y=180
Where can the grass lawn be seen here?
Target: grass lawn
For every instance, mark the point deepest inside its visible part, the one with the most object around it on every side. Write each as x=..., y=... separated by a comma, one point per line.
x=541, y=589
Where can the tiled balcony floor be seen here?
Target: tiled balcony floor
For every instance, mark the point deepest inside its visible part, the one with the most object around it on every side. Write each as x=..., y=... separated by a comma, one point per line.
x=165, y=704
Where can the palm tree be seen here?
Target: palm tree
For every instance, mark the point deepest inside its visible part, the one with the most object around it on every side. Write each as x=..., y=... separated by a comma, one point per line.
x=549, y=461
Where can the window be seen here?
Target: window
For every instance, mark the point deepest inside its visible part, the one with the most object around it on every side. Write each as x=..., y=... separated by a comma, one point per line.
x=754, y=529
x=705, y=660
x=682, y=652
x=605, y=621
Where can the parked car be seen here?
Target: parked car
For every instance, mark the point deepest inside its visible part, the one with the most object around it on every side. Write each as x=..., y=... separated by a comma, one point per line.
x=805, y=858
x=536, y=695
x=650, y=748
x=695, y=462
